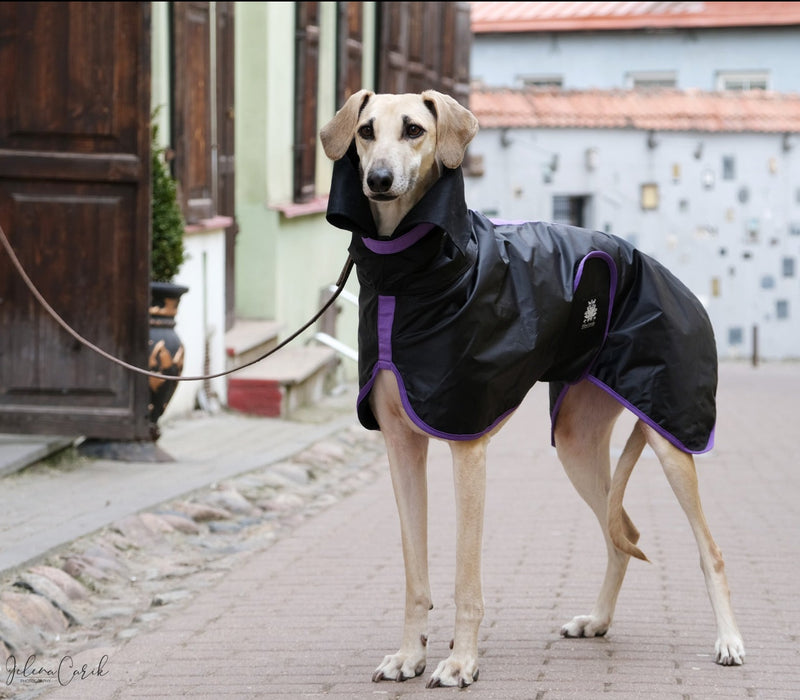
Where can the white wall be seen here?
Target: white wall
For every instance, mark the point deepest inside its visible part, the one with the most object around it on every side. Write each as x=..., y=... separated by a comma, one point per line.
x=604, y=59
x=700, y=233
x=200, y=322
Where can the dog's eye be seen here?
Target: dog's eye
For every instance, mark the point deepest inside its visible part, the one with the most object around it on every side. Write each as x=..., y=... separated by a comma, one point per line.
x=366, y=132
x=414, y=131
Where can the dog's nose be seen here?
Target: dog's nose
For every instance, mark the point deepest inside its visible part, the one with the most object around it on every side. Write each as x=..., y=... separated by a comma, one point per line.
x=379, y=180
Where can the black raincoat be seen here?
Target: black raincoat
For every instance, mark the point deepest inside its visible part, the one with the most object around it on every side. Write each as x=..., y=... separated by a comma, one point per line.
x=469, y=313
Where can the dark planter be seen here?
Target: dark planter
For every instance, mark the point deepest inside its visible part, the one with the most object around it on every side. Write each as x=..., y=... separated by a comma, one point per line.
x=165, y=348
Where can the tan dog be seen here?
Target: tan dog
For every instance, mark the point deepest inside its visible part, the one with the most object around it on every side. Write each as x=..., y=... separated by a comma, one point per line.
x=402, y=142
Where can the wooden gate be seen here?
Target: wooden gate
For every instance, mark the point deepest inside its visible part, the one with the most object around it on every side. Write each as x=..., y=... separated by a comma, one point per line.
x=75, y=203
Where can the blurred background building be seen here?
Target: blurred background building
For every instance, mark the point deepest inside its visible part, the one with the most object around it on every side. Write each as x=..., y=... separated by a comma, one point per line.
x=675, y=125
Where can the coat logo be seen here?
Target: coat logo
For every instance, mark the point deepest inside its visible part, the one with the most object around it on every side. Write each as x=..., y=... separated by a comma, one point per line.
x=590, y=315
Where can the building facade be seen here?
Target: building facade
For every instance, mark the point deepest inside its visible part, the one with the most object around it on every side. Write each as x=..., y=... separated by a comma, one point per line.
x=673, y=125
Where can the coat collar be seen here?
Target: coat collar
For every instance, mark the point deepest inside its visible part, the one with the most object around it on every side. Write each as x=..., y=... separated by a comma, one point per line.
x=443, y=205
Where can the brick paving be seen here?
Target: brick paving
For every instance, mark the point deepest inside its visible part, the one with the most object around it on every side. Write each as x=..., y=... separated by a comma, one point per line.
x=312, y=614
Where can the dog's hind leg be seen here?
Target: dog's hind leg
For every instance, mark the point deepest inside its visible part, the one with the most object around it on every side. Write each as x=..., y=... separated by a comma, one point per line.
x=582, y=437
x=680, y=470
x=407, y=450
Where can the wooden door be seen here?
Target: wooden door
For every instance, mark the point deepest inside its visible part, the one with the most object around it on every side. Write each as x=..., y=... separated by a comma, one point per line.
x=75, y=203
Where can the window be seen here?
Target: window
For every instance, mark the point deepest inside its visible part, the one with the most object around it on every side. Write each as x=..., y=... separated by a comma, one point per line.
x=788, y=267
x=424, y=45
x=743, y=80
x=735, y=336
x=752, y=229
x=202, y=118
x=350, y=49
x=728, y=167
x=782, y=309
x=569, y=210
x=192, y=107
x=650, y=80
x=305, y=95
x=649, y=196
x=544, y=82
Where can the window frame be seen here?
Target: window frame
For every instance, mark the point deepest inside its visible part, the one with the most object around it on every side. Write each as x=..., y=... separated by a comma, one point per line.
x=725, y=80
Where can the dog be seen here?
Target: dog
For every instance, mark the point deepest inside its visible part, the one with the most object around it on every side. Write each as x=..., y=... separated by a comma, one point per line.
x=397, y=188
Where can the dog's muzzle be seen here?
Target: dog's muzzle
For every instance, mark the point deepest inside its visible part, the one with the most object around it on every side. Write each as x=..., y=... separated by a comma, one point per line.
x=380, y=181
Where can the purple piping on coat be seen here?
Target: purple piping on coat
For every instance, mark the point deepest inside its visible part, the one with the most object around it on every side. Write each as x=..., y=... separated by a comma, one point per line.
x=612, y=294
x=671, y=438
x=506, y=222
x=653, y=425
x=386, y=307
x=395, y=245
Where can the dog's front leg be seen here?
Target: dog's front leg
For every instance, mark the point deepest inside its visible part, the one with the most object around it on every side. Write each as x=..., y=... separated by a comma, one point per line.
x=407, y=451
x=469, y=475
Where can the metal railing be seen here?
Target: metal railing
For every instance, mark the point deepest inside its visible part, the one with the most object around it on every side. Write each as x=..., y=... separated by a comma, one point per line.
x=327, y=324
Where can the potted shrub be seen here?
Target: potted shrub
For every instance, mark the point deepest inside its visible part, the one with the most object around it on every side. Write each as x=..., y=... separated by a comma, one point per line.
x=167, y=255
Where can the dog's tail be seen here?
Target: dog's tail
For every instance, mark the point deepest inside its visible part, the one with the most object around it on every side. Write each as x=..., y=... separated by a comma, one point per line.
x=621, y=529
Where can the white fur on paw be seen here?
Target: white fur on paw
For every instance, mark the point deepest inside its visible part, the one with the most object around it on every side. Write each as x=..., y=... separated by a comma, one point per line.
x=454, y=672
x=399, y=667
x=729, y=651
x=585, y=626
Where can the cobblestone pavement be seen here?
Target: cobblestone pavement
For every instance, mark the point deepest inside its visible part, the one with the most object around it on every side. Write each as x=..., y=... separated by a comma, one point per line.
x=286, y=581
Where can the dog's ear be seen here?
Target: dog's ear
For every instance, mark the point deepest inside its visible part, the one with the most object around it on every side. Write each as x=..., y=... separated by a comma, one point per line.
x=338, y=133
x=456, y=126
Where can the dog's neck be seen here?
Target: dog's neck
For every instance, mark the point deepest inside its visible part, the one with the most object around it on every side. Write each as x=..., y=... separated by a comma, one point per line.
x=387, y=215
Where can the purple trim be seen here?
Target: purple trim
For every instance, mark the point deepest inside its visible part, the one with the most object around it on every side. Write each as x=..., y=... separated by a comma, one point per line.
x=506, y=222
x=612, y=292
x=386, y=307
x=638, y=413
x=650, y=422
x=364, y=393
x=396, y=245
x=412, y=414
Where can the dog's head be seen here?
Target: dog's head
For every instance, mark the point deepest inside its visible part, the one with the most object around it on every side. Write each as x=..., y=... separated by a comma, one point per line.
x=401, y=140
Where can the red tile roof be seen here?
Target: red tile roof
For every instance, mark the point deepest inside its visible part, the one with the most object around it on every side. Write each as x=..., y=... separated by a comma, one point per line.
x=584, y=16
x=663, y=110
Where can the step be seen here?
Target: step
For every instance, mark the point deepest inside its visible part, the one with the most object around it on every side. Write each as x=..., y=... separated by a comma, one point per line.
x=282, y=383
x=249, y=339
x=20, y=451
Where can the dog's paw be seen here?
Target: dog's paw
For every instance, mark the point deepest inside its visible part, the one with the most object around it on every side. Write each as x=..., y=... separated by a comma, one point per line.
x=399, y=667
x=454, y=672
x=585, y=626
x=729, y=651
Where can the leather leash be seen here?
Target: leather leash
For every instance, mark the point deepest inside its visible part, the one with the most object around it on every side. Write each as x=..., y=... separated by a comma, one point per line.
x=345, y=273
